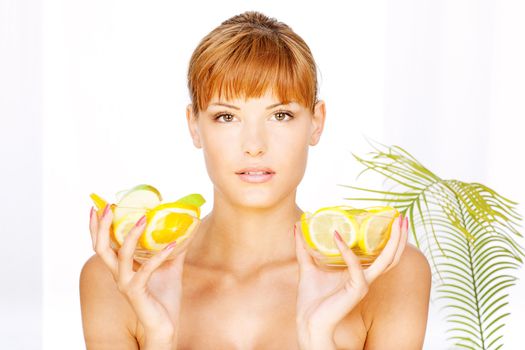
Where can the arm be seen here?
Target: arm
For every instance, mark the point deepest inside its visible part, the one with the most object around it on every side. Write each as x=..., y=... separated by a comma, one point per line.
x=113, y=281
x=399, y=310
x=104, y=310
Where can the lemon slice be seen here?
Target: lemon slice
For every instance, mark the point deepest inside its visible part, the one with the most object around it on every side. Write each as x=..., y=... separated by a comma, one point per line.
x=169, y=222
x=100, y=202
x=375, y=229
x=194, y=199
x=123, y=225
x=319, y=229
x=135, y=200
x=381, y=209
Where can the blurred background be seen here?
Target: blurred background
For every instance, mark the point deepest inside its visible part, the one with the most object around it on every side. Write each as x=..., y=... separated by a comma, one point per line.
x=93, y=96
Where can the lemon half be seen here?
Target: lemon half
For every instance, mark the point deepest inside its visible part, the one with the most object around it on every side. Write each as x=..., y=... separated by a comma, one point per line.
x=375, y=229
x=319, y=229
x=169, y=222
x=123, y=225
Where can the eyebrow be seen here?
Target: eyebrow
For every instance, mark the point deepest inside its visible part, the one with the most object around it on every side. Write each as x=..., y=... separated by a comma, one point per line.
x=237, y=108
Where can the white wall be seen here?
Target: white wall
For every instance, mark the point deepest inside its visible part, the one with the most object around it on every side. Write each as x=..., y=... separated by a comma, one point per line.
x=443, y=79
x=454, y=98
x=20, y=175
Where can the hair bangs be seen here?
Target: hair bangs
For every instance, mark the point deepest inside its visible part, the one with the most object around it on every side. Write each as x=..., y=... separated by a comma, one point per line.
x=247, y=60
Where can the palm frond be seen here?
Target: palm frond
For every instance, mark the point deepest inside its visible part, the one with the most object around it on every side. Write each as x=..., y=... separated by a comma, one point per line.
x=468, y=231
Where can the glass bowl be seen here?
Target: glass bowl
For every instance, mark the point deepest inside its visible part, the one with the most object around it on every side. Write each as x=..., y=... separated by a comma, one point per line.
x=142, y=254
x=365, y=232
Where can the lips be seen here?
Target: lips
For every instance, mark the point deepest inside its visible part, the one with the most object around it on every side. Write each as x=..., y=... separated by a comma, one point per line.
x=256, y=175
x=254, y=171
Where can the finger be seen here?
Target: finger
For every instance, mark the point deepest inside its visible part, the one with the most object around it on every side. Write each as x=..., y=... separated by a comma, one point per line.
x=104, y=224
x=185, y=243
x=386, y=256
x=102, y=246
x=93, y=226
x=402, y=244
x=351, y=259
x=355, y=286
x=127, y=250
x=177, y=261
x=304, y=259
x=143, y=274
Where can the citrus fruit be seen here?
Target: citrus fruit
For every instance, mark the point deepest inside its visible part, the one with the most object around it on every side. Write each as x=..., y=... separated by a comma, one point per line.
x=123, y=225
x=100, y=203
x=136, y=199
x=194, y=199
x=168, y=222
x=319, y=229
x=142, y=187
x=375, y=229
x=165, y=222
x=380, y=209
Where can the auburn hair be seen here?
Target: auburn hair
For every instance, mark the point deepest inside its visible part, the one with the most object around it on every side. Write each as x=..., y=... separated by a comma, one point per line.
x=247, y=54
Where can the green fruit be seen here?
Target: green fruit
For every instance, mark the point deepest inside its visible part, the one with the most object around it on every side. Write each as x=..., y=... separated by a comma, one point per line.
x=194, y=199
x=138, y=198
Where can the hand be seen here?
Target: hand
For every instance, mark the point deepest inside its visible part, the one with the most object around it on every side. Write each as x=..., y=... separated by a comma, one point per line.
x=158, y=314
x=325, y=297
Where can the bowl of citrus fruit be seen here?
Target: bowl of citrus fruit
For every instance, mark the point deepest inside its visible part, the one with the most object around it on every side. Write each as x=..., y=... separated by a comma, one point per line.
x=364, y=230
x=165, y=221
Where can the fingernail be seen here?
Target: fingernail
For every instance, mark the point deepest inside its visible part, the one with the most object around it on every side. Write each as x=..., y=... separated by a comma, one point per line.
x=141, y=221
x=406, y=222
x=338, y=236
x=170, y=246
x=106, y=209
x=91, y=213
x=401, y=220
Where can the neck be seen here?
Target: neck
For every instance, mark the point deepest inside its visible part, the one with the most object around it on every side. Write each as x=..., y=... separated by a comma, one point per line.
x=243, y=239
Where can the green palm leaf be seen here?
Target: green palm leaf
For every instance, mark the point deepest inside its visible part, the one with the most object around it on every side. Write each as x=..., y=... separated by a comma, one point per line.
x=469, y=233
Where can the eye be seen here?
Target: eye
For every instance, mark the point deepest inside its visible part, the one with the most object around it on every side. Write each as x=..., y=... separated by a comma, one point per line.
x=220, y=115
x=283, y=113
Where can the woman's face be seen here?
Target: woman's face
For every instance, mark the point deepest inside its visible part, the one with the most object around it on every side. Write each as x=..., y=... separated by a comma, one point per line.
x=256, y=133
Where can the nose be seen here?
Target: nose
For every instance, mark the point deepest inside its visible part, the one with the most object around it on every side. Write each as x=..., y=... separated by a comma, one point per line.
x=254, y=140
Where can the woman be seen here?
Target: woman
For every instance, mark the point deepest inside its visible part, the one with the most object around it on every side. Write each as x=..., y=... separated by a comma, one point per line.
x=247, y=281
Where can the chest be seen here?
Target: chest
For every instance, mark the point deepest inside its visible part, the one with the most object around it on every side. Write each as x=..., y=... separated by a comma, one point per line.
x=257, y=314
x=226, y=314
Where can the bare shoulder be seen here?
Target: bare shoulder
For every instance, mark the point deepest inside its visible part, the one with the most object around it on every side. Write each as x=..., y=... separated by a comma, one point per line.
x=411, y=273
x=396, y=307
x=108, y=320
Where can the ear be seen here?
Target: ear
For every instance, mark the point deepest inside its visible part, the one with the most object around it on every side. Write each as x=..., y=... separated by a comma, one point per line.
x=191, y=118
x=318, y=122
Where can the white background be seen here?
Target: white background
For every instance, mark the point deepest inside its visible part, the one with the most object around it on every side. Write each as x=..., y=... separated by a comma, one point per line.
x=93, y=96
